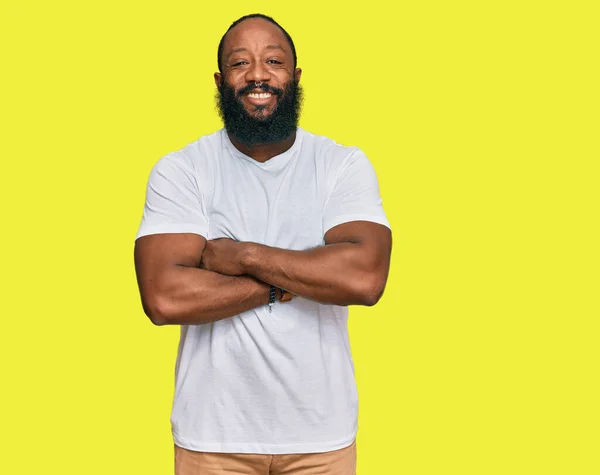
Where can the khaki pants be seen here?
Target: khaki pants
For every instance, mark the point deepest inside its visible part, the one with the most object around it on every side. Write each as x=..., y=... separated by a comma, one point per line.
x=337, y=462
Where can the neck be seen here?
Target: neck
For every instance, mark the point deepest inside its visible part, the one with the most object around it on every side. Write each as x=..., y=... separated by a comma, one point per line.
x=263, y=152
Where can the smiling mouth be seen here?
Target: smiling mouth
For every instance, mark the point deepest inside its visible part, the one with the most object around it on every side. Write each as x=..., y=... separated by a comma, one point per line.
x=259, y=98
x=259, y=95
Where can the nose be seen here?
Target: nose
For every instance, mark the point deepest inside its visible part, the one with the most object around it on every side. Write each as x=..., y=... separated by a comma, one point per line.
x=257, y=72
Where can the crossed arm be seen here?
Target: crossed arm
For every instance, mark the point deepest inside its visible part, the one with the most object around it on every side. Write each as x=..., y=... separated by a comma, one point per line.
x=184, y=279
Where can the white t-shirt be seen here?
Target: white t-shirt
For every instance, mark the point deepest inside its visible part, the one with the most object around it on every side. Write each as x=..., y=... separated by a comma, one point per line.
x=260, y=382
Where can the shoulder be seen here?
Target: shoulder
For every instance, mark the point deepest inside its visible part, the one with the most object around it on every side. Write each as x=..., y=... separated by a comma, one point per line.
x=203, y=151
x=195, y=158
x=330, y=154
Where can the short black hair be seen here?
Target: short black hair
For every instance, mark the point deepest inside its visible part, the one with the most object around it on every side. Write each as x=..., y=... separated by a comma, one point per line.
x=264, y=17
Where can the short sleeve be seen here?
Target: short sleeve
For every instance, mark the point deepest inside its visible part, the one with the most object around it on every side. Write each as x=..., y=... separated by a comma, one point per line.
x=355, y=196
x=174, y=202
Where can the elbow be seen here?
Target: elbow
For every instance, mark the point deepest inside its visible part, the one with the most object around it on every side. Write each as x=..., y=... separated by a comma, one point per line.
x=371, y=298
x=158, y=310
x=370, y=291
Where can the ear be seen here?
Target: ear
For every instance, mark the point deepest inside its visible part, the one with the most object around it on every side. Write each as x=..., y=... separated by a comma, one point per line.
x=218, y=80
x=297, y=74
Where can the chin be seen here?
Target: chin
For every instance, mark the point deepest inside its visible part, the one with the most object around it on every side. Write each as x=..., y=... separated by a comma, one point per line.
x=260, y=113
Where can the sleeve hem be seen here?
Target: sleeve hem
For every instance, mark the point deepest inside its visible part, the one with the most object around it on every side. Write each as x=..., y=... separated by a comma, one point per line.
x=172, y=228
x=356, y=217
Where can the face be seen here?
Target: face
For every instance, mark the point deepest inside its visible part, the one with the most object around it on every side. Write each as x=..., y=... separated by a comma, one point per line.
x=258, y=92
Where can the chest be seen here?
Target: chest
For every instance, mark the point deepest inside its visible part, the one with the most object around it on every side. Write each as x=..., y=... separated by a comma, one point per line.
x=281, y=208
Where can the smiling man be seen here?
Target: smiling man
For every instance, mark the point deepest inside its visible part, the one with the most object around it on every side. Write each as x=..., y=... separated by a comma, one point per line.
x=255, y=240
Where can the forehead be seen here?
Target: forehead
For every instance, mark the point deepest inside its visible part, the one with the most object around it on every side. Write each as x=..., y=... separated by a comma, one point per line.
x=254, y=34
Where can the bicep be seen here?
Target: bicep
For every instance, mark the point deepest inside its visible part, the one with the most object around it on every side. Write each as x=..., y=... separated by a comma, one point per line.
x=374, y=241
x=156, y=254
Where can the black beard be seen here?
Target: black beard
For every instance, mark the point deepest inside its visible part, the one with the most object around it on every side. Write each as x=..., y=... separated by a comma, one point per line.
x=259, y=130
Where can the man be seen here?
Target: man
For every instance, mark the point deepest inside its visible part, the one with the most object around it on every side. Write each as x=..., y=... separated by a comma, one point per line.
x=255, y=239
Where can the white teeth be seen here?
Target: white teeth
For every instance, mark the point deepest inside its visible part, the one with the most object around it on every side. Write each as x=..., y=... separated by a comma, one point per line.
x=262, y=95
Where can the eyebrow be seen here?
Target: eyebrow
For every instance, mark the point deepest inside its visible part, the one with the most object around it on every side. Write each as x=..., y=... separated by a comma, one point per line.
x=238, y=50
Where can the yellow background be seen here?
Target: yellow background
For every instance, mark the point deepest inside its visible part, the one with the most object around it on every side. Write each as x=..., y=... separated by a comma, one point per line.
x=482, y=121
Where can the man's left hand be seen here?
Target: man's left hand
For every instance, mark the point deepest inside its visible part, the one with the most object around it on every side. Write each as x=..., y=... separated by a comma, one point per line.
x=224, y=256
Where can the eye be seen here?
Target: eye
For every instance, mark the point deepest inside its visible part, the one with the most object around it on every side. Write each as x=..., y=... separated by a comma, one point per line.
x=239, y=63
x=274, y=61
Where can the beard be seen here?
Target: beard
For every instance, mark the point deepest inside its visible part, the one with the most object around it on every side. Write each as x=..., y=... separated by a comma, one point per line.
x=260, y=128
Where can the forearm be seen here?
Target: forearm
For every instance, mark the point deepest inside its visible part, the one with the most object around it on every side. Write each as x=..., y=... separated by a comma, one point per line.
x=192, y=296
x=336, y=273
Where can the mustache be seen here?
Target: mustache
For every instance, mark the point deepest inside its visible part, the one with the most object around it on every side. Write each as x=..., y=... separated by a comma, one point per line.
x=263, y=87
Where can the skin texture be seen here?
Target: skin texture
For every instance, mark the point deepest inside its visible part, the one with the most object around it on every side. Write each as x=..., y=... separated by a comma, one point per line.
x=184, y=279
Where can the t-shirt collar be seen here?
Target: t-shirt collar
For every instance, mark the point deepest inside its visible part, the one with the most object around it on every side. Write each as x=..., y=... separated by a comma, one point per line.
x=277, y=159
